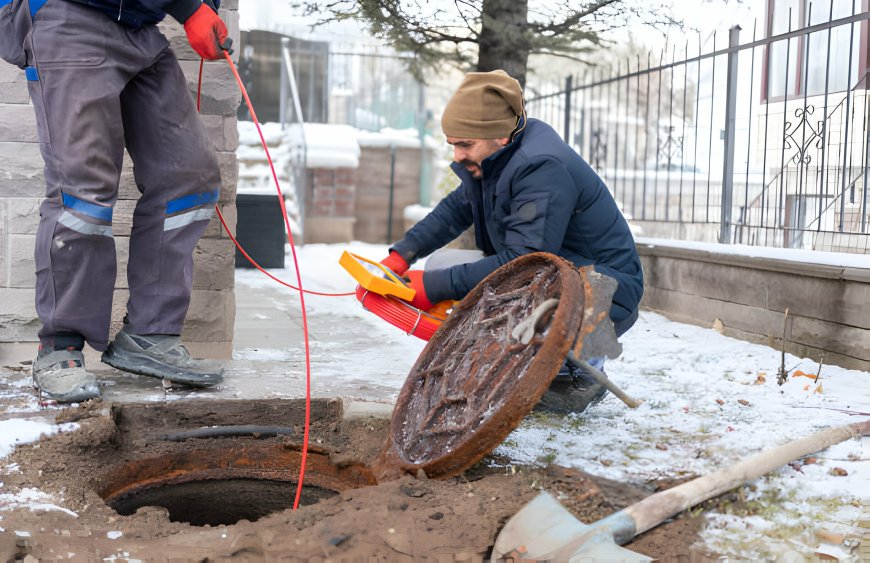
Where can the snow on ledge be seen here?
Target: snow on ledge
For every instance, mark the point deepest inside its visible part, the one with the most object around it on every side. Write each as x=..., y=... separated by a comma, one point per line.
x=415, y=212
x=839, y=259
x=400, y=138
x=329, y=145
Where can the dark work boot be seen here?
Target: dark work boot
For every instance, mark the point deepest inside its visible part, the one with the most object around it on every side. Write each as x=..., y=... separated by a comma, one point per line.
x=572, y=391
x=162, y=356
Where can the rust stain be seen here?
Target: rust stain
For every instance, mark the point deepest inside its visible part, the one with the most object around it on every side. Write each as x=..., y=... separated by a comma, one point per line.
x=278, y=462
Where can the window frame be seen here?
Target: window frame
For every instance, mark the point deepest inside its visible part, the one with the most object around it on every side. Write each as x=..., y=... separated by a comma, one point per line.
x=863, y=54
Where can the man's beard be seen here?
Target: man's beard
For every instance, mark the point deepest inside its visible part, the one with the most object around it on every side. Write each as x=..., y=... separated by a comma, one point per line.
x=477, y=172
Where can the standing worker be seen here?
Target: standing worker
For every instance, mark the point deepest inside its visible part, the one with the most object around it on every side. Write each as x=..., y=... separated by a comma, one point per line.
x=101, y=78
x=524, y=190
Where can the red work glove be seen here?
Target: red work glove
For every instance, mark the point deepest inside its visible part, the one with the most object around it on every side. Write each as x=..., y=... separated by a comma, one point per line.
x=396, y=263
x=415, y=281
x=207, y=33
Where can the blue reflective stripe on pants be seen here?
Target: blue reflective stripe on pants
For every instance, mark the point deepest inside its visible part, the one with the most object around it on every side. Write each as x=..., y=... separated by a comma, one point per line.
x=90, y=209
x=35, y=6
x=191, y=200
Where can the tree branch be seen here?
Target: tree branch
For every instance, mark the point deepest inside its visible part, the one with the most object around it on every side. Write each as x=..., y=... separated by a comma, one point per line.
x=573, y=19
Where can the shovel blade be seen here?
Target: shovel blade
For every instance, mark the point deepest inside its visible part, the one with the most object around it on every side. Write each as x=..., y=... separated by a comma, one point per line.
x=602, y=551
x=544, y=530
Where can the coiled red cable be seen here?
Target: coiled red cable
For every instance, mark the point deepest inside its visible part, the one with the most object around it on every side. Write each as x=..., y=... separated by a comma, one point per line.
x=401, y=315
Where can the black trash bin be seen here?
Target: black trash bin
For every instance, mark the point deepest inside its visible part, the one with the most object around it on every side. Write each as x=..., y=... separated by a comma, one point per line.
x=260, y=230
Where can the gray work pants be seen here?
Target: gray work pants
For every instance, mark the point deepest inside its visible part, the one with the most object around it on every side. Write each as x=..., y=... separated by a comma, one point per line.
x=97, y=87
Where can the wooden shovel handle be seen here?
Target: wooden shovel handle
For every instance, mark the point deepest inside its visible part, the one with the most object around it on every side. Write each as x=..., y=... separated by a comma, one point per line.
x=655, y=509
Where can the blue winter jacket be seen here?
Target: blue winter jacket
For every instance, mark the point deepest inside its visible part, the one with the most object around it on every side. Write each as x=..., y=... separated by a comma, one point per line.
x=138, y=13
x=537, y=194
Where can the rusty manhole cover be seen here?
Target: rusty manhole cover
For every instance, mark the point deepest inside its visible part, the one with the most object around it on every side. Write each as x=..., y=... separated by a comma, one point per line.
x=474, y=382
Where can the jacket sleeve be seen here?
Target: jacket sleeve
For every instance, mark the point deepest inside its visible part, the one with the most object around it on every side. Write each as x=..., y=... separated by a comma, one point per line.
x=443, y=224
x=542, y=200
x=180, y=10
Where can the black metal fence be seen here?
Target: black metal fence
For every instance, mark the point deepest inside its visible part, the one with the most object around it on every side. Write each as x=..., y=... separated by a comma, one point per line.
x=762, y=143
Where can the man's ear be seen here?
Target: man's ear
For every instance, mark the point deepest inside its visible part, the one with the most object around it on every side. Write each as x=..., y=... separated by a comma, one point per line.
x=503, y=141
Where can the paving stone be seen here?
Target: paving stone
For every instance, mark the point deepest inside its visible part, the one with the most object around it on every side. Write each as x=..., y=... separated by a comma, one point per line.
x=4, y=242
x=22, y=267
x=220, y=93
x=18, y=123
x=18, y=321
x=23, y=218
x=13, y=85
x=213, y=264
x=22, y=170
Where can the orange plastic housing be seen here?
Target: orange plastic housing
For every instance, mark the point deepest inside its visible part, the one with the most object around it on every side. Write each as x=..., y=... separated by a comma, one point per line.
x=404, y=316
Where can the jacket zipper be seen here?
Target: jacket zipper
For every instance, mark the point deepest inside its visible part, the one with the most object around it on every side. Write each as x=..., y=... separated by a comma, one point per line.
x=120, y=8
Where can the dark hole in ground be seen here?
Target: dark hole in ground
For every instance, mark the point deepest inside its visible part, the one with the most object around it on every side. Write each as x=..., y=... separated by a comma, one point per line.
x=217, y=463
x=217, y=502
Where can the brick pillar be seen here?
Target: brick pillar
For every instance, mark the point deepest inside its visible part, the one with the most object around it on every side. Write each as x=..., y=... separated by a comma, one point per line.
x=209, y=326
x=21, y=187
x=329, y=206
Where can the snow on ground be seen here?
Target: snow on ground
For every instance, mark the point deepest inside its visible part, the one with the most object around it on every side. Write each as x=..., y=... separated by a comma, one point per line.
x=321, y=272
x=709, y=401
x=30, y=498
x=17, y=431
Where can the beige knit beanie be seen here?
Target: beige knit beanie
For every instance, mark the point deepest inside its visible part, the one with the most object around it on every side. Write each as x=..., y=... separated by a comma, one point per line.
x=487, y=105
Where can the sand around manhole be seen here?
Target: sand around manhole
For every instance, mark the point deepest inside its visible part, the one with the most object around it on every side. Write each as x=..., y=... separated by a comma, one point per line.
x=343, y=516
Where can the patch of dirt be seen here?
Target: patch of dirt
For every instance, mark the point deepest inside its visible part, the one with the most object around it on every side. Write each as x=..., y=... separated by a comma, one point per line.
x=404, y=519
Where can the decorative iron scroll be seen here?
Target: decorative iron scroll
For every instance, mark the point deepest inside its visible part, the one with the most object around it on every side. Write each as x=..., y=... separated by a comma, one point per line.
x=669, y=148
x=816, y=134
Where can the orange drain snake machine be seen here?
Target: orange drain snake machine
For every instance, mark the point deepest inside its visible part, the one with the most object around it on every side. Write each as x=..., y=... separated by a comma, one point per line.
x=387, y=295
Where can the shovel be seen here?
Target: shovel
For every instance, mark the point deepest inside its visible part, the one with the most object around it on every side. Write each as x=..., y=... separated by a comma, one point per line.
x=544, y=530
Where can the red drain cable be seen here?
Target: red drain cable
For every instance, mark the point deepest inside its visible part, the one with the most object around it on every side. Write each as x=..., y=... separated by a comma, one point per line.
x=224, y=223
x=295, y=264
x=395, y=312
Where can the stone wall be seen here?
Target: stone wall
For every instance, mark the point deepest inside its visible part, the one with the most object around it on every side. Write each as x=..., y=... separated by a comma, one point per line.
x=209, y=327
x=373, y=191
x=828, y=306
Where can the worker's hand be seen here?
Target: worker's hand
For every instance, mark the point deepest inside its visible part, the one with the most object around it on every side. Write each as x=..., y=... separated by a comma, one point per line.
x=396, y=263
x=207, y=33
x=415, y=281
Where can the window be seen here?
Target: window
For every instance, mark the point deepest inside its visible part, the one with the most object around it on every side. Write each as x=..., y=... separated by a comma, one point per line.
x=803, y=65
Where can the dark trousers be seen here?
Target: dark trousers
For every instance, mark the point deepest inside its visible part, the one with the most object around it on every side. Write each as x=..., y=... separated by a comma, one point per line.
x=98, y=87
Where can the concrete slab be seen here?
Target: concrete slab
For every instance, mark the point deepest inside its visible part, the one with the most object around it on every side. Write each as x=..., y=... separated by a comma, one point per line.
x=269, y=362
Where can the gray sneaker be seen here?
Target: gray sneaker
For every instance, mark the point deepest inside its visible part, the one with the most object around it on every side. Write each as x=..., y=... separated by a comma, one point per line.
x=60, y=375
x=162, y=356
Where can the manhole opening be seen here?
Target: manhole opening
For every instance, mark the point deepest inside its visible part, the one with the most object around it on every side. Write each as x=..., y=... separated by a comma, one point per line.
x=217, y=502
x=218, y=484
x=220, y=462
